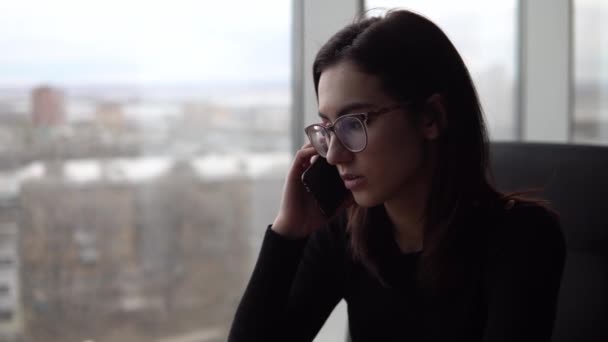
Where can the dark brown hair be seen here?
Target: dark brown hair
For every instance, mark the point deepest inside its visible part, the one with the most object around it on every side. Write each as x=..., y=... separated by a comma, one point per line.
x=414, y=60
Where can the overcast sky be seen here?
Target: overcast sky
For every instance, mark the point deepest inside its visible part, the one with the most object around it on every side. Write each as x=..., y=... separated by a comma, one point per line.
x=141, y=41
x=74, y=42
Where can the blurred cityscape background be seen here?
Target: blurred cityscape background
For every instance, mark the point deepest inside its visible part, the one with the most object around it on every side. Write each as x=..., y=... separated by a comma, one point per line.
x=128, y=218
x=143, y=149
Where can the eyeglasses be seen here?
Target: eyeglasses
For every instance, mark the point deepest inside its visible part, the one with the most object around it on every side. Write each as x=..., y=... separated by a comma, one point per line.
x=350, y=129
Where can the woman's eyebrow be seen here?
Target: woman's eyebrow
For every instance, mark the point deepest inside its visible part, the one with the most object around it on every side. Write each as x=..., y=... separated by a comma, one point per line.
x=349, y=108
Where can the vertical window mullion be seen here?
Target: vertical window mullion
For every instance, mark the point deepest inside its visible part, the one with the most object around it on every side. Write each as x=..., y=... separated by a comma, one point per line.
x=546, y=70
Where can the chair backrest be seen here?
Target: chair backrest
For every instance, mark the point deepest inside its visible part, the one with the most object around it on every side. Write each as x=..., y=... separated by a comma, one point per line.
x=574, y=179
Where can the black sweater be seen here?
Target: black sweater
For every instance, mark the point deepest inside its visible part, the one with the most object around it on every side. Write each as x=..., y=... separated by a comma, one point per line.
x=507, y=266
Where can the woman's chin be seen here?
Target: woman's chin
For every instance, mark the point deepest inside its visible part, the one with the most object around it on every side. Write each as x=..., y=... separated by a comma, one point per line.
x=363, y=199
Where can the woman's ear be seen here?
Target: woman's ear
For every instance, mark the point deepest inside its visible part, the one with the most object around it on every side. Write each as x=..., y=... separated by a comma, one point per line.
x=434, y=119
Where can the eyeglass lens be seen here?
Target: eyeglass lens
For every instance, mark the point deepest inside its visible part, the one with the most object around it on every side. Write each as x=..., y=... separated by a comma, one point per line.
x=349, y=130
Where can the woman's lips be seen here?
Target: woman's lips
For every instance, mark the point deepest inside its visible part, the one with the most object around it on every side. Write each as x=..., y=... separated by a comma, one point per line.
x=351, y=181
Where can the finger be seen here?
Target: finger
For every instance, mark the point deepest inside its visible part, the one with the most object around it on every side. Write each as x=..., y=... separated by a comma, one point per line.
x=306, y=153
x=313, y=158
x=303, y=157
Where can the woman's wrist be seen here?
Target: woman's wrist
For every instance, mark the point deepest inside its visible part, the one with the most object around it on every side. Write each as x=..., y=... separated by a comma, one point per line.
x=285, y=230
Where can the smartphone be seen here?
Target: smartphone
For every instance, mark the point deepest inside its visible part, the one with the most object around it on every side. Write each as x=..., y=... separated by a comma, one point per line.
x=323, y=181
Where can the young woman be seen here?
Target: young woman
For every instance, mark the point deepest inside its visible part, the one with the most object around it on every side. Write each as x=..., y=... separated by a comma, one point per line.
x=426, y=249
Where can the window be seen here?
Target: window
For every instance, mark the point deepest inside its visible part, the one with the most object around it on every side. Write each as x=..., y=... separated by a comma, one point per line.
x=485, y=35
x=143, y=147
x=590, y=122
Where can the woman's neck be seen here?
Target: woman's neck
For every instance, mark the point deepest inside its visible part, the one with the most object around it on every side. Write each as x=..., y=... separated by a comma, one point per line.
x=407, y=216
x=406, y=210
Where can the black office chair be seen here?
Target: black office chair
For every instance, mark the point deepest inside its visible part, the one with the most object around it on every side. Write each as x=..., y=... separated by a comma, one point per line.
x=575, y=181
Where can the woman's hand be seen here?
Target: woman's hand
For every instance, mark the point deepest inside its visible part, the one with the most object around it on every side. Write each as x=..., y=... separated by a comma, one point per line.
x=299, y=214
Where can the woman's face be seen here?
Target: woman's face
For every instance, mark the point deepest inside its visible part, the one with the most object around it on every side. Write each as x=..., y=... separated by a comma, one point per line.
x=393, y=160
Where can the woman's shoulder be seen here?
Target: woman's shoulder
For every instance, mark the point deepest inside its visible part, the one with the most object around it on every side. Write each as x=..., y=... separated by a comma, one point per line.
x=521, y=223
x=529, y=215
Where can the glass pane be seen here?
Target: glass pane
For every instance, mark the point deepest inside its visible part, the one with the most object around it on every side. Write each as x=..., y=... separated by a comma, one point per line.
x=590, y=71
x=484, y=32
x=142, y=155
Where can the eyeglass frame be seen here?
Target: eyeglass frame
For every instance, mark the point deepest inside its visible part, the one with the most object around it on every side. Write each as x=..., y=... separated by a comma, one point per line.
x=330, y=127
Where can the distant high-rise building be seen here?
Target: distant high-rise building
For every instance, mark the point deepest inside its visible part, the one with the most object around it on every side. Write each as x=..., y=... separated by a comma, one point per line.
x=100, y=255
x=48, y=106
x=11, y=315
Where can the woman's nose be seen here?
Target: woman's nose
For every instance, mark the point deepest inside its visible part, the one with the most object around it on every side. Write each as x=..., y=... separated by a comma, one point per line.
x=336, y=153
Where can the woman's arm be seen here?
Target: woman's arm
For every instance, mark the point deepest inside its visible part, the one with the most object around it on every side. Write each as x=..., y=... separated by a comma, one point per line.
x=294, y=287
x=525, y=272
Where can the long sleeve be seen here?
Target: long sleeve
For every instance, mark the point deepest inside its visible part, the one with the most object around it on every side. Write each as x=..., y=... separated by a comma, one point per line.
x=293, y=288
x=525, y=272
